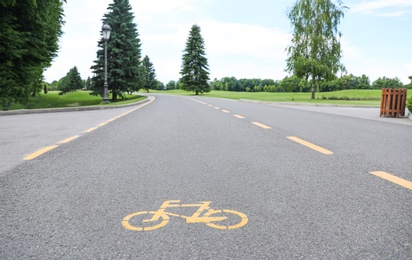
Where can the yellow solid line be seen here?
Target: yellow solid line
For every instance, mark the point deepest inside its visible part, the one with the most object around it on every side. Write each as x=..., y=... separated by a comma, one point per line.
x=68, y=139
x=102, y=124
x=40, y=152
x=225, y=111
x=261, y=125
x=90, y=130
x=310, y=145
x=394, y=179
x=239, y=116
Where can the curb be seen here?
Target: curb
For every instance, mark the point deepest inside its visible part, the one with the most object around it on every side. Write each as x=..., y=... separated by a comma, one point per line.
x=69, y=109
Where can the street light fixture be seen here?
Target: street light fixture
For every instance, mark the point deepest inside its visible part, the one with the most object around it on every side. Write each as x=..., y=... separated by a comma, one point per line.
x=106, y=36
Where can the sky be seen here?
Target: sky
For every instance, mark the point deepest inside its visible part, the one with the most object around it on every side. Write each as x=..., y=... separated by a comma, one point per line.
x=243, y=38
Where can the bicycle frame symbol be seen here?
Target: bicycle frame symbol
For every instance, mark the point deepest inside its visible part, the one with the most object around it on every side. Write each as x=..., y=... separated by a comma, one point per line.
x=212, y=218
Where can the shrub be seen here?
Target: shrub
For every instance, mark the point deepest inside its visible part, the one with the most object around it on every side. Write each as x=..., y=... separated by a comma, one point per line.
x=409, y=105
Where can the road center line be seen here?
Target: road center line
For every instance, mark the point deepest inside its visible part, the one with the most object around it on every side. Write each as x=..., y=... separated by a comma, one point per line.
x=203, y=103
x=239, y=116
x=261, y=125
x=217, y=108
x=225, y=111
x=393, y=179
x=102, y=124
x=310, y=145
x=90, y=130
x=39, y=152
x=69, y=139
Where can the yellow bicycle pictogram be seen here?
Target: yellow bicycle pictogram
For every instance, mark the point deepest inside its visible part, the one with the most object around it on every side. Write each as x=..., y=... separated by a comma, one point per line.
x=151, y=220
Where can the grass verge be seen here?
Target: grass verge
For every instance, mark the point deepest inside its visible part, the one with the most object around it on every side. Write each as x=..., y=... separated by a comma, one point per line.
x=72, y=99
x=344, y=97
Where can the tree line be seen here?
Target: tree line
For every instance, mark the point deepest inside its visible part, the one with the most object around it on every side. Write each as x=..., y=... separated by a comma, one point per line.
x=30, y=30
x=29, y=33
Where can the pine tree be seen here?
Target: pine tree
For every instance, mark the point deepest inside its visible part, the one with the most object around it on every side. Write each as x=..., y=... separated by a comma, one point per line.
x=150, y=74
x=195, y=69
x=75, y=81
x=123, y=51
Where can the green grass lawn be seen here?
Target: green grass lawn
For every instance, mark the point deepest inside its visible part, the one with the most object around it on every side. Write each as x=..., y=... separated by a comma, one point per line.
x=72, y=99
x=356, y=97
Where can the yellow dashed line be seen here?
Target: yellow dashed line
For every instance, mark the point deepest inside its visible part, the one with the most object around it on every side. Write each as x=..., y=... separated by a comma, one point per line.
x=40, y=152
x=261, y=125
x=239, y=116
x=69, y=139
x=393, y=179
x=203, y=103
x=310, y=145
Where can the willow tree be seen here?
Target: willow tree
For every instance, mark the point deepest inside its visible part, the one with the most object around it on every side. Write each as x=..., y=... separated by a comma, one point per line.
x=315, y=50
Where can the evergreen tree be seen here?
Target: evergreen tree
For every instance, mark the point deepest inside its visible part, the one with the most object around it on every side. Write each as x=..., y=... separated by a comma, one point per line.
x=29, y=32
x=75, y=81
x=124, y=54
x=149, y=73
x=315, y=50
x=195, y=69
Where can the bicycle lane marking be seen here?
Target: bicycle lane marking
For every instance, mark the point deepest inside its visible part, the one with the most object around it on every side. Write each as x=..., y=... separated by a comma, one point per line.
x=164, y=217
x=67, y=140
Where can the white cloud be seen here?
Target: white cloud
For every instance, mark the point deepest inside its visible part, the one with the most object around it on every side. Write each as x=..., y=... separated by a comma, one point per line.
x=409, y=67
x=372, y=7
x=246, y=40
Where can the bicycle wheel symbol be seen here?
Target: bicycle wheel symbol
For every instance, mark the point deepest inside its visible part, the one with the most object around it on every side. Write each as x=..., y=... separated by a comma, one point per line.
x=229, y=214
x=164, y=219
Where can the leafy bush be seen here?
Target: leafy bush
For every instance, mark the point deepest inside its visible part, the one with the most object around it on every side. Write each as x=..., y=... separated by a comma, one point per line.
x=409, y=105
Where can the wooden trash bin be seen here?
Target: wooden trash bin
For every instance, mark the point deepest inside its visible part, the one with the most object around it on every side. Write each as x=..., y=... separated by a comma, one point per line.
x=393, y=102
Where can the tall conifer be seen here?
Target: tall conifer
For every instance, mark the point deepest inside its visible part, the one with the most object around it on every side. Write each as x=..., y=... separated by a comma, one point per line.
x=123, y=51
x=195, y=68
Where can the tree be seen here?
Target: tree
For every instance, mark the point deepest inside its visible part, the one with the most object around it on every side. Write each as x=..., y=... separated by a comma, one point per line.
x=315, y=50
x=149, y=74
x=171, y=85
x=71, y=82
x=385, y=82
x=29, y=33
x=124, y=53
x=195, y=69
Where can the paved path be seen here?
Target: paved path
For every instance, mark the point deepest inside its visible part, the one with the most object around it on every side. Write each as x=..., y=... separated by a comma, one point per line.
x=150, y=183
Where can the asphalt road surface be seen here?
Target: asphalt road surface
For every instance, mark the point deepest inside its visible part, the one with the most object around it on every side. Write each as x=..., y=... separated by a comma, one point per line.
x=203, y=178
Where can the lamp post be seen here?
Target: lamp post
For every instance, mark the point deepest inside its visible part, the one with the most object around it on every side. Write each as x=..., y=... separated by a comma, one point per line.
x=106, y=35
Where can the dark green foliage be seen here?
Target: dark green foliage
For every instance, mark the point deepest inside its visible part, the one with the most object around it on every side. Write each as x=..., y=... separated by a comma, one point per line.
x=171, y=85
x=346, y=82
x=29, y=32
x=150, y=81
x=71, y=82
x=315, y=50
x=195, y=69
x=124, y=54
x=159, y=85
x=409, y=105
x=385, y=82
x=409, y=86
